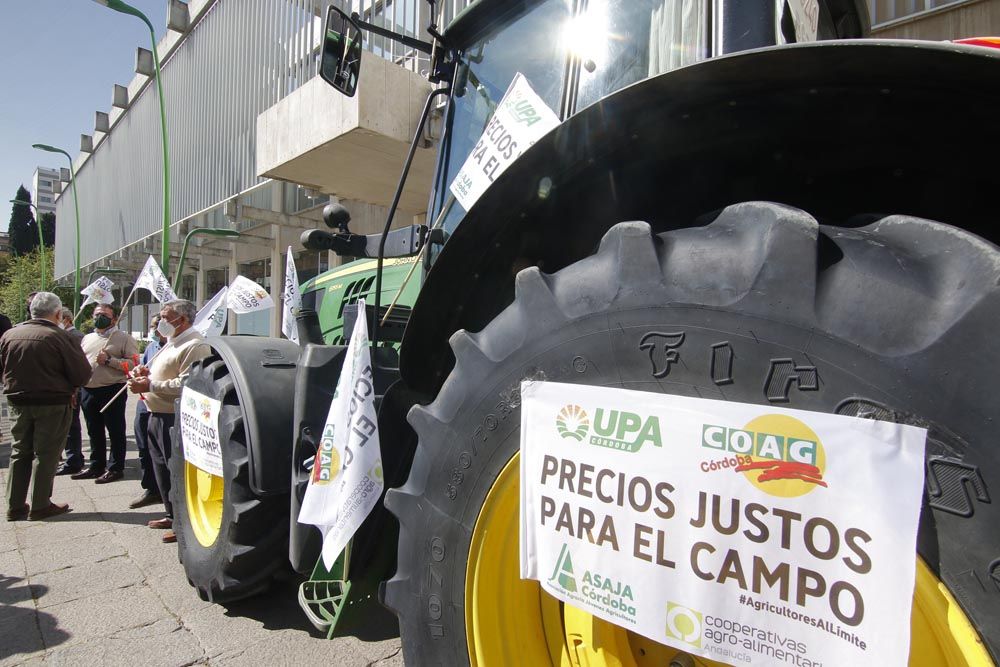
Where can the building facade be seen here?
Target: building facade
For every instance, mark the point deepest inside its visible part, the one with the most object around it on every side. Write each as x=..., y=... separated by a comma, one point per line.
x=934, y=19
x=43, y=185
x=257, y=144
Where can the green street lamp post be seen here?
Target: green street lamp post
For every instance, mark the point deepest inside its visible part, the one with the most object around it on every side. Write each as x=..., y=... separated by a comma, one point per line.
x=41, y=237
x=124, y=8
x=198, y=231
x=76, y=206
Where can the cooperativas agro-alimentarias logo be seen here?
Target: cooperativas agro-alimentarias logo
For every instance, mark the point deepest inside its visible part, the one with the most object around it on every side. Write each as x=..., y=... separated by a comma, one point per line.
x=778, y=454
x=614, y=429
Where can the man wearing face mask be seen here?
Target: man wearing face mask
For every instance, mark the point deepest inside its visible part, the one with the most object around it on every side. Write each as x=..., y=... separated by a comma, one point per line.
x=107, y=349
x=150, y=491
x=161, y=383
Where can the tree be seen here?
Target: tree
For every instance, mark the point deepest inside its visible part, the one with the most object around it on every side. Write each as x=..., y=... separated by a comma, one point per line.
x=49, y=229
x=23, y=276
x=22, y=229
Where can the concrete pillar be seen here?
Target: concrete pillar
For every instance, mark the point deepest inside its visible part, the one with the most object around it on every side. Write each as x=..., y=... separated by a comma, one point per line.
x=277, y=280
x=199, y=282
x=233, y=269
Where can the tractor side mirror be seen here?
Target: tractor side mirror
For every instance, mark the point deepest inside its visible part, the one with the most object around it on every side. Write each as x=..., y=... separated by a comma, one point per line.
x=340, y=63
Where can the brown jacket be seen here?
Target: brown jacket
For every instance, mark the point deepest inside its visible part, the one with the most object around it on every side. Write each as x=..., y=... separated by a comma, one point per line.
x=41, y=364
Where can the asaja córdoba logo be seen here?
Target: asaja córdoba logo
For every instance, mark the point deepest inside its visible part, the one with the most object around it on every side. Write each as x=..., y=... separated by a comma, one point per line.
x=573, y=422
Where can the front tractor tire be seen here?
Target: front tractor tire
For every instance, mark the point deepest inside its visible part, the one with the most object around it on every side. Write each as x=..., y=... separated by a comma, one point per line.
x=230, y=540
x=893, y=320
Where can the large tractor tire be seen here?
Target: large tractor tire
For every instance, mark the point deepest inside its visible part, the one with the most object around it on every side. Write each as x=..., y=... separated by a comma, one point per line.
x=894, y=320
x=231, y=541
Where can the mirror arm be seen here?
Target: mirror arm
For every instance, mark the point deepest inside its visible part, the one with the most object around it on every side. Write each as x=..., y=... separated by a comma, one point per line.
x=413, y=43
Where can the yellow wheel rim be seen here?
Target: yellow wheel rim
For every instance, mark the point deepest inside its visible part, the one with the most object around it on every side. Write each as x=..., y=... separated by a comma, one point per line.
x=510, y=621
x=204, y=494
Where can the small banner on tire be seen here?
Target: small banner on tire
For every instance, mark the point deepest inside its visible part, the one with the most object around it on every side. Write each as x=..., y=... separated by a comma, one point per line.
x=741, y=533
x=200, y=431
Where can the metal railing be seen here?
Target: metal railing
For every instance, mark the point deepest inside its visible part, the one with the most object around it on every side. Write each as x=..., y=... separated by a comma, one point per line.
x=887, y=11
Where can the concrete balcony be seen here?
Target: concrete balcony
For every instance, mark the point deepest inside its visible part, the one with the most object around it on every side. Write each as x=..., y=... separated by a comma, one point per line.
x=351, y=147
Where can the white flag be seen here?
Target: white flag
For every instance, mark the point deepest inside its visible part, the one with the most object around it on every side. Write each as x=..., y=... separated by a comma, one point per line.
x=211, y=319
x=152, y=278
x=292, y=300
x=346, y=480
x=99, y=291
x=246, y=296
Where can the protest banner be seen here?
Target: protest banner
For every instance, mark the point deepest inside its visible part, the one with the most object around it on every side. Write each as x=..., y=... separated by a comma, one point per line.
x=200, y=431
x=291, y=298
x=246, y=296
x=99, y=291
x=346, y=480
x=737, y=532
x=211, y=319
x=152, y=279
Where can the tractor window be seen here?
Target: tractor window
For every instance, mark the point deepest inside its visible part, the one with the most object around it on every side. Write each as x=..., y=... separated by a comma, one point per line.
x=524, y=45
x=620, y=42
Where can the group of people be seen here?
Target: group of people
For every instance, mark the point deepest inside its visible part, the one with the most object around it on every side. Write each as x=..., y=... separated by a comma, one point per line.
x=51, y=372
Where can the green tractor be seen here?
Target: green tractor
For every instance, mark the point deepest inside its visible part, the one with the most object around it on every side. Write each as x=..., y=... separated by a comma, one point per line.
x=809, y=215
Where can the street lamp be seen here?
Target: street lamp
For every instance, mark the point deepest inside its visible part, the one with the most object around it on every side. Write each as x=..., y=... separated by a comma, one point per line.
x=125, y=8
x=41, y=237
x=76, y=205
x=199, y=231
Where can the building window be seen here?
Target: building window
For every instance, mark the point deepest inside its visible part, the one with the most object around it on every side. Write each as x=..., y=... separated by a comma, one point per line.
x=885, y=11
x=259, y=323
x=216, y=279
x=45, y=184
x=187, y=286
x=47, y=200
x=309, y=264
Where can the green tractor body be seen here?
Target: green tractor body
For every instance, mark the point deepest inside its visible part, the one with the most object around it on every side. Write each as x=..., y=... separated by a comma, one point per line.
x=692, y=118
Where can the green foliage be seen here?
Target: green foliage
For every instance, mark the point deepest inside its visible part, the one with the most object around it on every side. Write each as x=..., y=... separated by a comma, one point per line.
x=22, y=228
x=49, y=229
x=21, y=277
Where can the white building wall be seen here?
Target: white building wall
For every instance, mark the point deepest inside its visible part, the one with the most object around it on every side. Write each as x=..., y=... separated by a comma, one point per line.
x=42, y=193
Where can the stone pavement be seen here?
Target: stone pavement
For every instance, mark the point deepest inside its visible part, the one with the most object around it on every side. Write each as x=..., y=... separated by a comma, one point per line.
x=97, y=587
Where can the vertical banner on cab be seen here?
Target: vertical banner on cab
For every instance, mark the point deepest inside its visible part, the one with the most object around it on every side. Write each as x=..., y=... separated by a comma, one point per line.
x=521, y=118
x=291, y=299
x=211, y=319
x=737, y=532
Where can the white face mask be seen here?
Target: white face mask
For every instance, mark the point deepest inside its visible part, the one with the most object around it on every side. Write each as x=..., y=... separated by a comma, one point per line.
x=166, y=329
x=62, y=325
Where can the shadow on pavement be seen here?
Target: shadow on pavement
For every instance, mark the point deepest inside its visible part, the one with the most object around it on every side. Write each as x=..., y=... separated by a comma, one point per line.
x=22, y=628
x=134, y=517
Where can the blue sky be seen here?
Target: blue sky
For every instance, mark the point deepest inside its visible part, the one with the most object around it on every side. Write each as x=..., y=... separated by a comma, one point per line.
x=58, y=62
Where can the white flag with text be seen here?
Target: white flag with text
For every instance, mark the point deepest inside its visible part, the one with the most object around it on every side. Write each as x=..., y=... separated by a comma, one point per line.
x=99, y=291
x=346, y=480
x=211, y=319
x=246, y=296
x=152, y=278
x=292, y=299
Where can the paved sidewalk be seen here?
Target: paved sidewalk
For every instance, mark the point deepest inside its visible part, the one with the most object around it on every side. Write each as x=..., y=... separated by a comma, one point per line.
x=97, y=587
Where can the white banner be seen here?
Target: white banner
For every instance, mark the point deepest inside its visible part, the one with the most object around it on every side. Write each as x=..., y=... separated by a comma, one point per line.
x=292, y=300
x=246, y=296
x=99, y=291
x=521, y=119
x=346, y=480
x=211, y=319
x=200, y=431
x=805, y=18
x=152, y=279
x=740, y=533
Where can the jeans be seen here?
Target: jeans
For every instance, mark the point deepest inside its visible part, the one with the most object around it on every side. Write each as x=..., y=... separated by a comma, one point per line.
x=140, y=428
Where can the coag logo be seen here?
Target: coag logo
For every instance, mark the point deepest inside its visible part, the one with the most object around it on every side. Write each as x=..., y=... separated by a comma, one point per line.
x=684, y=623
x=778, y=454
x=563, y=572
x=573, y=422
x=326, y=465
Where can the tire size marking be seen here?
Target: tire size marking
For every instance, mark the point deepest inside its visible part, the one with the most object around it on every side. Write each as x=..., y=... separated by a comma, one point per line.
x=435, y=608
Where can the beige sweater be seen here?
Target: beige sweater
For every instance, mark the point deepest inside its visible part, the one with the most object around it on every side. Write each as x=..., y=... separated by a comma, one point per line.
x=120, y=348
x=170, y=366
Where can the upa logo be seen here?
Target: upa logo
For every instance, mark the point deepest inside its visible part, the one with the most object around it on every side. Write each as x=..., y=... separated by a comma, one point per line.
x=684, y=624
x=625, y=431
x=778, y=454
x=563, y=572
x=573, y=422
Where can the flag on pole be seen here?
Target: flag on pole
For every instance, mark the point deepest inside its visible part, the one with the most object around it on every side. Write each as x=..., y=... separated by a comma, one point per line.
x=346, y=480
x=292, y=299
x=99, y=291
x=152, y=278
x=246, y=296
x=211, y=319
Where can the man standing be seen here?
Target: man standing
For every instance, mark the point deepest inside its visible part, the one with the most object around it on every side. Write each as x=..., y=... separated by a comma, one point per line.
x=107, y=349
x=150, y=492
x=74, y=443
x=41, y=368
x=161, y=383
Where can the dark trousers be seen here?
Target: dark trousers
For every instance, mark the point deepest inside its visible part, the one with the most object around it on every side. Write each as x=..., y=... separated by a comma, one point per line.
x=139, y=427
x=74, y=443
x=160, y=424
x=112, y=419
x=39, y=434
